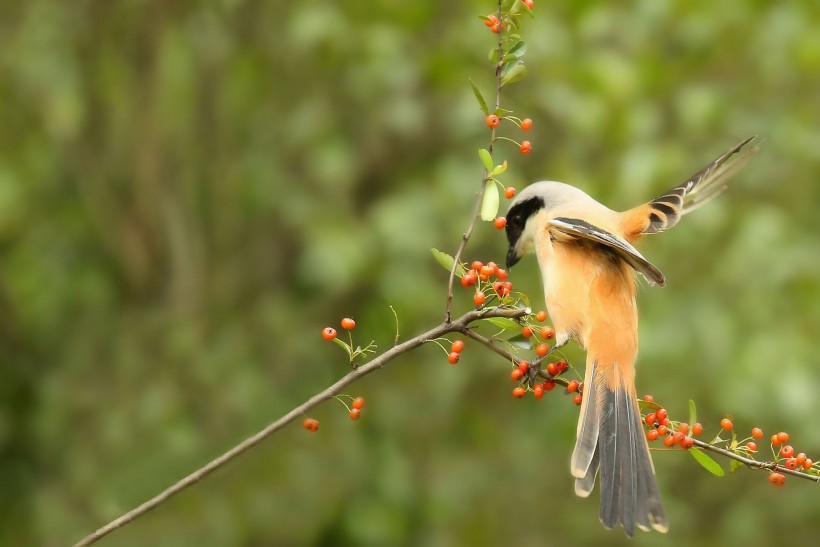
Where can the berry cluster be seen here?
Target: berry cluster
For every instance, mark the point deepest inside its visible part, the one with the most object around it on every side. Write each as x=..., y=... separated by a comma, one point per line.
x=348, y=324
x=480, y=276
x=661, y=426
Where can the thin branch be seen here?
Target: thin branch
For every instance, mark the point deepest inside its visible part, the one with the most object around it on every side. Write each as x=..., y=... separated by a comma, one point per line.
x=459, y=325
x=465, y=237
x=754, y=463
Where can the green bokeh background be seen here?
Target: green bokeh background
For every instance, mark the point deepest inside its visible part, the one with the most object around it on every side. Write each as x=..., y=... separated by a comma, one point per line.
x=190, y=191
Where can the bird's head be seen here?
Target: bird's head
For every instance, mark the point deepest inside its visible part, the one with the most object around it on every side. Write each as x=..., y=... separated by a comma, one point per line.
x=532, y=208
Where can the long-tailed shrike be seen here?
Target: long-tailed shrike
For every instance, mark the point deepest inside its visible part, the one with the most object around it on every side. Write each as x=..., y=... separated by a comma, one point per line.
x=588, y=264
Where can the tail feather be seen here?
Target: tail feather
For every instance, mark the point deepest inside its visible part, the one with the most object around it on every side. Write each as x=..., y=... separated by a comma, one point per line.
x=611, y=424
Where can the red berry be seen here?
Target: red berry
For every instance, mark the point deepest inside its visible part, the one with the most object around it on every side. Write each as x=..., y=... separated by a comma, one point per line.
x=662, y=414
x=677, y=437
x=526, y=332
x=652, y=434
x=549, y=385
x=526, y=124
x=697, y=429
x=491, y=20
x=486, y=271
x=649, y=398
x=311, y=425
x=523, y=366
x=542, y=349
x=493, y=121
x=662, y=429
x=578, y=400
x=683, y=428
x=538, y=391
x=547, y=333
x=562, y=365
x=792, y=464
x=476, y=265
x=502, y=274
x=457, y=346
x=479, y=298
x=775, y=440
x=727, y=424
x=526, y=147
x=776, y=479
x=348, y=323
x=757, y=433
x=687, y=443
x=328, y=333
x=453, y=357
x=668, y=441
x=519, y=392
x=541, y=316
x=552, y=369
x=800, y=458
x=354, y=414
x=358, y=402
x=509, y=192
x=783, y=437
x=469, y=279
x=528, y=3
x=807, y=464
x=572, y=386
x=650, y=419
x=516, y=374
x=787, y=451
x=500, y=222
x=751, y=446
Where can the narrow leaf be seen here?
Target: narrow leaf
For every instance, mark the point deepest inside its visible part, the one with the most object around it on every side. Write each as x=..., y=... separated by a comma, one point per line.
x=734, y=465
x=501, y=112
x=707, y=462
x=504, y=323
x=344, y=345
x=447, y=261
x=499, y=168
x=481, y=102
x=489, y=205
x=486, y=159
x=693, y=412
x=513, y=73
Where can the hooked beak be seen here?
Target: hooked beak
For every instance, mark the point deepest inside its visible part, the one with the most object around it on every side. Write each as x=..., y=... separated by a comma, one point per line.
x=512, y=257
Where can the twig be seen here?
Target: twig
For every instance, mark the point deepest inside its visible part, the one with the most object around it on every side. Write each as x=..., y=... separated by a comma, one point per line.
x=459, y=325
x=754, y=463
x=465, y=237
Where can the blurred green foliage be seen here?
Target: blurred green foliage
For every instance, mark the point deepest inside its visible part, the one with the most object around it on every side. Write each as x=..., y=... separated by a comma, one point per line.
x=190, y=191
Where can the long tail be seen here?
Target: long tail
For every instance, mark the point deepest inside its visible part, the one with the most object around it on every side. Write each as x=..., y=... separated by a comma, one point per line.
x=611, y=440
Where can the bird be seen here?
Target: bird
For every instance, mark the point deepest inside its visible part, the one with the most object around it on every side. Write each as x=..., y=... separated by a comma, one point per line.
x=589, y=268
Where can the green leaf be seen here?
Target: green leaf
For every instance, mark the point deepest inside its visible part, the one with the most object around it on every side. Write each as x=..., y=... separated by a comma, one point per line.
x=489, y=205
x=526, y=9
x=519, y=49
x=734, y=465
x=524, y=299
x=501, y=112
x=447, y=261
x=486, y=159
x=344, y=345
x=707, y=462
x=498, y=169
x=481, y=102
x=693, y=412
x=645, y=404
x=513, y=72
x=504, y=323
x=493, y=55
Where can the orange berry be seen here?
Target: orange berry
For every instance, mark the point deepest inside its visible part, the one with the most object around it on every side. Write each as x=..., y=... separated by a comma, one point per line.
x=486, y=271
x=458, y=346
x=476, y=265
x=783, y=437
x=328, y=333
x=683, y=428
x=662, y=429
x=792, y=464
x=787, y=451
x=358, y=402
x=552, y=369
x=547, y=333
x=502, y=274
x=775, y=440
x=650, y=419
x=509, y=192
x=677, y=437
x=541, y=316
x=469, y=279
x=311, y=425
x=526, y=147
x=528, y=3
x=538, y=391
x=549, y=385
x=649, y=398
x=454, y=357
x=519, y=392
x=807, y=464
x=524, y=366
x=516, y=374
x=727, y=424
x=492, y=121
x=757, y=433
x=526, y=332
x=751, y=446
x=687, y=443
x=800, y=458
x=697, y=429
x=479, y=298
x=668, y=441
x=496, y=27
x=652, y=434
x=526, y=124
x=542, y=349
x=491, y=20
x=578, y=399
x=348, y=323
x=572, y=386
x=776, y=479
x=661, y=414
x=354, y=414
x=500, y=222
